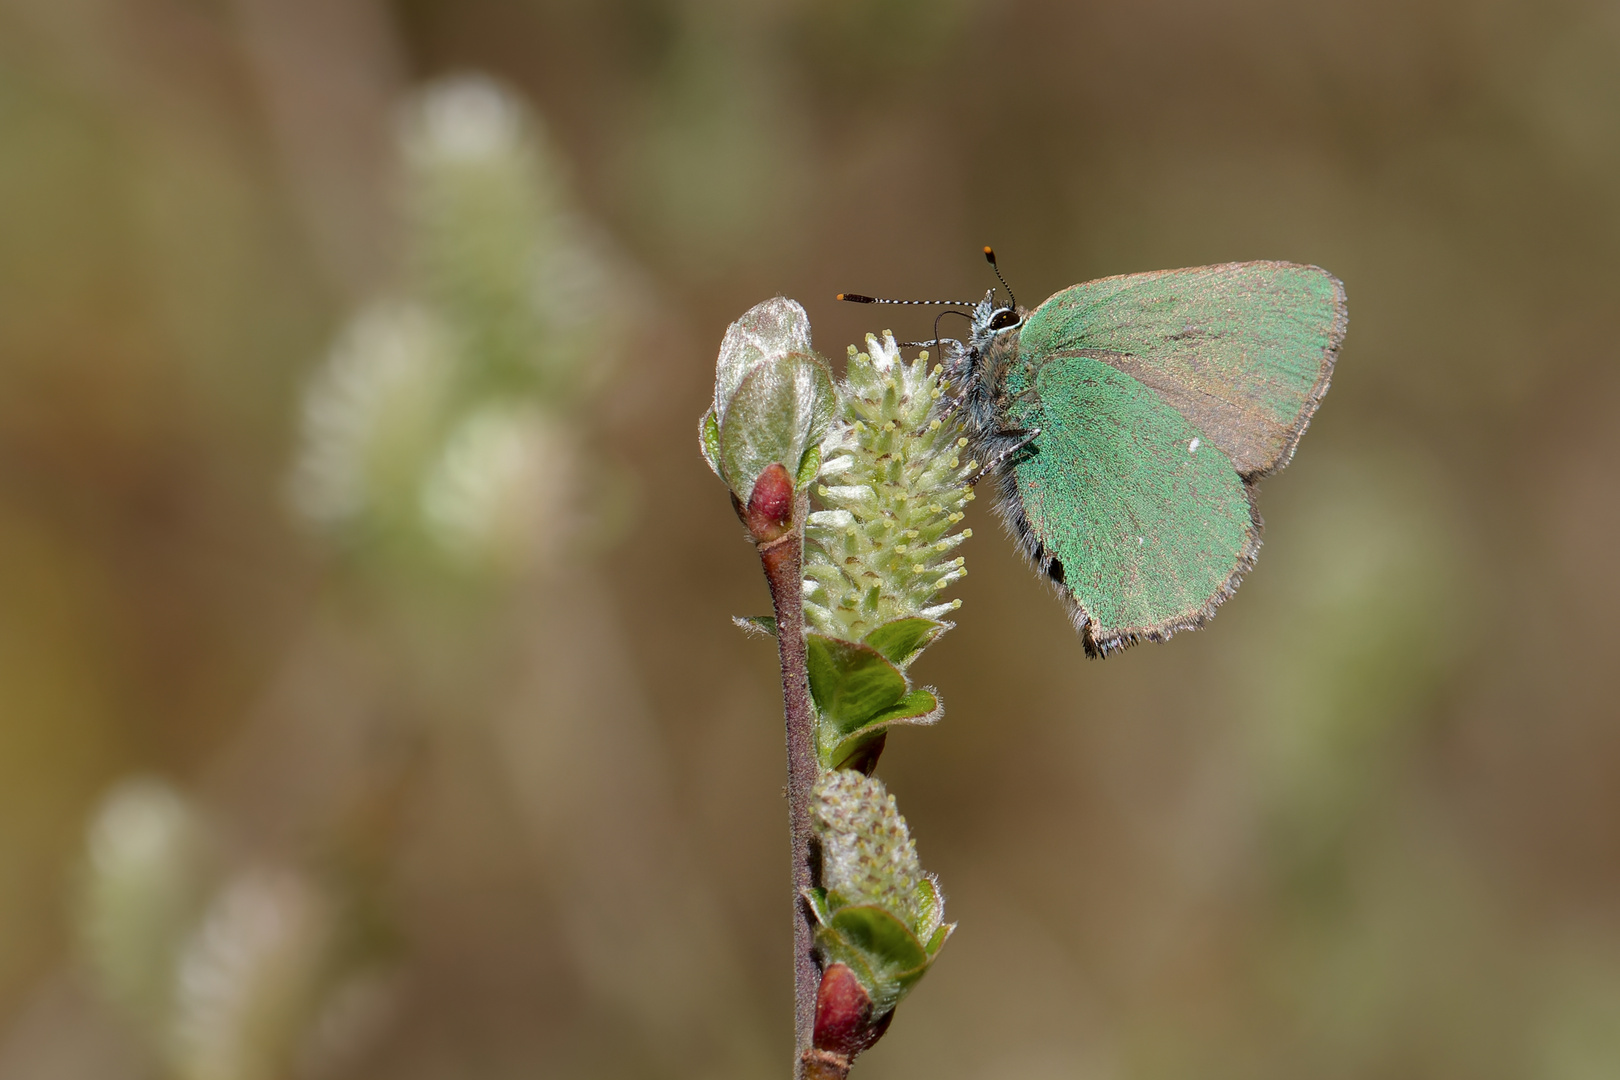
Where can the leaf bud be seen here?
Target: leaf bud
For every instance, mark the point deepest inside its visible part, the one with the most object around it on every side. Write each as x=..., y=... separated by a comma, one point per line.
x=773, y=398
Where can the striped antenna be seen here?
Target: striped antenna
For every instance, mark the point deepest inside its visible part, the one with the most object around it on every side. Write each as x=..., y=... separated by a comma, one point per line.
x=860, y=298
x=990, y=257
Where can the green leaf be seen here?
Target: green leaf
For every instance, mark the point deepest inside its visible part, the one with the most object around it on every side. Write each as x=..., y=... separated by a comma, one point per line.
x=901, y=640
x=817, y=899
x=778, y=412
x=874, y=943
x=769, y=329
x=887, y=941
x=709, y=440
x=859, y=753
x=763, y=625
x=851, y=683
x=930, y=906
x=809, y=466
x=917, y=707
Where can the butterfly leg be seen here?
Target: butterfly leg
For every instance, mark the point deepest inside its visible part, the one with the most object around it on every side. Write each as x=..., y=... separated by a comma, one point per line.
x=1001, y=448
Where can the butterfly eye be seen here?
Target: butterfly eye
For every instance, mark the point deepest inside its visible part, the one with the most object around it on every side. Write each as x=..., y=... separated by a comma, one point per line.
x=1004, y=318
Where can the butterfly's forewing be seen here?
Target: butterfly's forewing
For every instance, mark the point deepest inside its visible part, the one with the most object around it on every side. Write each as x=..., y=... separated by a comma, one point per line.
x=1158, y=396
x=1242, y=350
x=1149, y=524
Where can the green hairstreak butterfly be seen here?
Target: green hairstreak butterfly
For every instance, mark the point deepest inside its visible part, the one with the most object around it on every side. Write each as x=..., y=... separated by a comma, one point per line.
x=1126, y=420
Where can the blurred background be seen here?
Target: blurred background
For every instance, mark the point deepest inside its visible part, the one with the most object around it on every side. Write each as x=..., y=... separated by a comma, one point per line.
x=369, y=700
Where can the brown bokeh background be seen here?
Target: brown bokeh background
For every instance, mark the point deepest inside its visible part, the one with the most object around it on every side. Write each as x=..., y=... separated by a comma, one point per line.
x=1367, y=824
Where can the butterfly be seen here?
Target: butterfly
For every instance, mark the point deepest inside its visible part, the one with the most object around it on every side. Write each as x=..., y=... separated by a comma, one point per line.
x=1125, y=422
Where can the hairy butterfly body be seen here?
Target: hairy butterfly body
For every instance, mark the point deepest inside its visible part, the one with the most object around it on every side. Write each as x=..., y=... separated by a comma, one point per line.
x=1125, y=421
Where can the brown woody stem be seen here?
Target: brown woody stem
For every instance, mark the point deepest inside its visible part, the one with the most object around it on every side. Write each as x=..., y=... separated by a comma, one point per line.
x=783, y=561
x=775, y=518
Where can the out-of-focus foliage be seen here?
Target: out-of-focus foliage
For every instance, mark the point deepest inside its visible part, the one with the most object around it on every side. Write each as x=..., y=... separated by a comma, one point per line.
x=443, y=411
x=245, y=973
x=143, y=890
x=1361, y=826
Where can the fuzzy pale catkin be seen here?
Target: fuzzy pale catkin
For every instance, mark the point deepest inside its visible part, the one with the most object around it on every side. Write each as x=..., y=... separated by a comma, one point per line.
x=893, y=486
x=867, y=855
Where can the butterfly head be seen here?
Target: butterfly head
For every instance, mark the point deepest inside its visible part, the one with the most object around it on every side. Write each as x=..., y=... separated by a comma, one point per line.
x=991, y=319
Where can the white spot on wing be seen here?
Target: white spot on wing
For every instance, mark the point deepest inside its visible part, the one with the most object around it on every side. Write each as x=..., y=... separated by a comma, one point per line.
x=1192, y=447
x=1140, y=541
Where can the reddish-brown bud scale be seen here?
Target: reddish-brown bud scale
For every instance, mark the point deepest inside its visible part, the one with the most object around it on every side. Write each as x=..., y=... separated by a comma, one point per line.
x=770, y=507
x=844, y=1025
x=843, y=1009
x=844, y=1022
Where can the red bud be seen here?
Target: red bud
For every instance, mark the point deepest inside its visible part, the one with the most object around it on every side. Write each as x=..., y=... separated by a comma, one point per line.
x=770, y=507
x=844, y=1024
x=842, y=1008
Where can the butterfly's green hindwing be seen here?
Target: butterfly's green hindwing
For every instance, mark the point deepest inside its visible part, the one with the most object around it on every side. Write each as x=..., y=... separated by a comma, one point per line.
x=1243, y=350
x=1151, y=524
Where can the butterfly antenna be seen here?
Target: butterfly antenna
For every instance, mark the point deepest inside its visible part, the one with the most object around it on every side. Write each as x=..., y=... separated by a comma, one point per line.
x=860, y=298
x=941, y=315
x=990, y=257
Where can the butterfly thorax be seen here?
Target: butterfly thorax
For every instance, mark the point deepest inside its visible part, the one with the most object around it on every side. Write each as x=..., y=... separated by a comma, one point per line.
x=983, y=367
